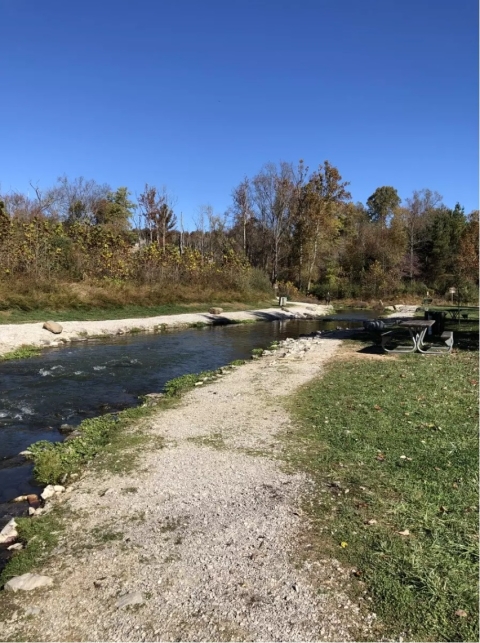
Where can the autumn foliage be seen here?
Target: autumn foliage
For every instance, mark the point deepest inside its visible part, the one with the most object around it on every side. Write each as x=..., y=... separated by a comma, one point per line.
x=286, y=226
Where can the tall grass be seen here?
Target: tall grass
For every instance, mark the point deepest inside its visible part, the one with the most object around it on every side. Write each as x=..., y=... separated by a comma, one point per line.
x=19, y=297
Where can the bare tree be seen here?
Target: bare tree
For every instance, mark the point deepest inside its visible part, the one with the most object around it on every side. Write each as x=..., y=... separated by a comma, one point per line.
x=243, y=209
x=158, y=213
x=273, y=190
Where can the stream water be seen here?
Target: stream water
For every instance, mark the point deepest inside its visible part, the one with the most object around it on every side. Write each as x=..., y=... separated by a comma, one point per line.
x=67, y=385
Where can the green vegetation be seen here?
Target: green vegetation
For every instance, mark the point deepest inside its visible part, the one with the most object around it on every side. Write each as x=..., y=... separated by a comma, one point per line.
x=94, y=312
x=21, y=353
x=39, y=536
x=392, y=445
x=69, y=251
x=257, y=351
x=182, y=384
x=106, y=440
x=54, y=461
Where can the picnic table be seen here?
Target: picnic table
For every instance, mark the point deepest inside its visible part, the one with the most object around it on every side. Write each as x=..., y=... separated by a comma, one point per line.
x=463, y=311
x=418, y=329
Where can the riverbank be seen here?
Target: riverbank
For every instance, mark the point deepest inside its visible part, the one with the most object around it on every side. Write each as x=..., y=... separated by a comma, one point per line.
x=202, y=533
x=13, y=336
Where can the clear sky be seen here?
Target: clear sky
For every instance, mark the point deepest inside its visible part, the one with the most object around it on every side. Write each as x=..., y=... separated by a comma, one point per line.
x=196, y=94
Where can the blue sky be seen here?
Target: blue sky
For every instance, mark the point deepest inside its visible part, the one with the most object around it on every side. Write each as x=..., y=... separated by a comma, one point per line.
x=196, y=94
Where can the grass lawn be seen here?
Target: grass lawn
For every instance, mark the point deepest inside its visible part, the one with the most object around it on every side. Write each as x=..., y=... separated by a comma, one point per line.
x=16, y=316
x=392, y=444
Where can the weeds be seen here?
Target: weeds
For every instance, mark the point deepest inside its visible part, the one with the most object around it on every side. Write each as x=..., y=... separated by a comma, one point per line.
x=22, y=352
x=39, y=537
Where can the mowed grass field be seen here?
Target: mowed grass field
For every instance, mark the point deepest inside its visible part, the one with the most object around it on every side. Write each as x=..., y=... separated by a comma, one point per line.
x=392, y=445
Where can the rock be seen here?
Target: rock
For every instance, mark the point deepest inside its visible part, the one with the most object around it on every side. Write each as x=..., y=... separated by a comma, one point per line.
x=9, y=533
x=27, y=582
x=25, y=453
x=15, y=547
x=198, y=383
x=53, y=327
x=134, y=598
x=107, y=491
x=31, y=511
x=20, y=499
x=58, y=488
x=33, y=500
x=48, y=492
x=215, y=311
x=65, y=429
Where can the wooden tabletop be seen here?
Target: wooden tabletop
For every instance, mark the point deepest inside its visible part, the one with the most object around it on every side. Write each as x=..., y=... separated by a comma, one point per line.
x=418, y=323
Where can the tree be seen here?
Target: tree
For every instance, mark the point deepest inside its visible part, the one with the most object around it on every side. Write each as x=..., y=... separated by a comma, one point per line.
x=382, y=204
x=273, y=190
x=80, y=200
x=114, y=212
x=468, y=257
x=243, y=209
x=381, y=207
x=415, y=216
x=323, y=195
x=159, y=216
x=442, y=245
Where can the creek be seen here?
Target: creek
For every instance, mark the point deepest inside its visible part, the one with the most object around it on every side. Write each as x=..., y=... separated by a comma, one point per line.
x=87, y=379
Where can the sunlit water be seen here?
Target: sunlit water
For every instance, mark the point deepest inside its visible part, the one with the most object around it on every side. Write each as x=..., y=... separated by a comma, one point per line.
x=67, y=385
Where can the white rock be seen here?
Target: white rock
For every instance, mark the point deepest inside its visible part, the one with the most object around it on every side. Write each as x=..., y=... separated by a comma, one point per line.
x=25, y=453
x=53, y=327
x=58, y=488
x=48, y=492
x=20, y=499
x=15, y=547
x=9, y=533
x=31, y=511
x=27, y=582
x=134, y=598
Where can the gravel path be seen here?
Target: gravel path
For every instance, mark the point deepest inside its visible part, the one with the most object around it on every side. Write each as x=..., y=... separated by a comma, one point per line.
x=210, y=537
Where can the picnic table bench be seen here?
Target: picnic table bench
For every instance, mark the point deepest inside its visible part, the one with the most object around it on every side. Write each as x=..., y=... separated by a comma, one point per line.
x=418, y=329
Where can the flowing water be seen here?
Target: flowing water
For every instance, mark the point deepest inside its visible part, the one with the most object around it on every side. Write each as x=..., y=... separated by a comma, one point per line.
x=67, y=385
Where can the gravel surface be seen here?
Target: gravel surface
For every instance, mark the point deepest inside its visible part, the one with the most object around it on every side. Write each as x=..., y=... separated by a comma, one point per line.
x=207, y=548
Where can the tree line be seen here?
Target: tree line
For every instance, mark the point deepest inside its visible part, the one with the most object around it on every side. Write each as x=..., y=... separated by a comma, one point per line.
x=296, y=227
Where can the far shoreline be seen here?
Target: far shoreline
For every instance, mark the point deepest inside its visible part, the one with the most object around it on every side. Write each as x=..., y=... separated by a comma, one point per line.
x=33, y=335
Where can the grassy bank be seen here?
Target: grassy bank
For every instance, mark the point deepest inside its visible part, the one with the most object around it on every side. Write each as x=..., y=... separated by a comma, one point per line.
x=126, y=312
x=27, y=301
x=393, y=447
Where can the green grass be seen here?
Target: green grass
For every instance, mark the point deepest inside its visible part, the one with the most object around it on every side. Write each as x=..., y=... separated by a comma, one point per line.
x=39, y=536
x=396, y=441
x=21, y=353
x=17, y=316
x=107, y=437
